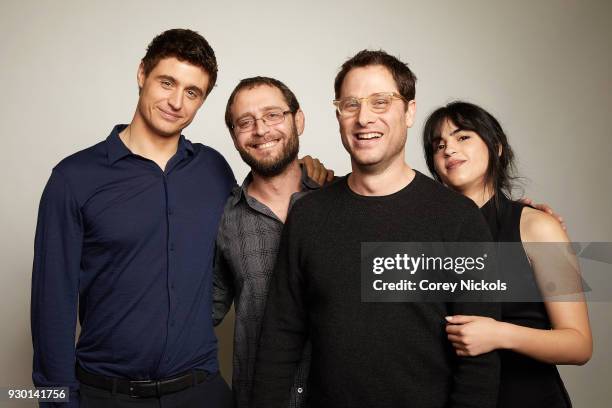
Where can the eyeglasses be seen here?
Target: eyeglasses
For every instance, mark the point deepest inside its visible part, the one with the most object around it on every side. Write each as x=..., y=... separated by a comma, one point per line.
x=378, y=103
x=247, y=123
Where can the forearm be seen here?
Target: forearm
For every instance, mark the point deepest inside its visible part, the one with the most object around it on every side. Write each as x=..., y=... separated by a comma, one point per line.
x=555, y=346
x=53, y=322
x=53, y=334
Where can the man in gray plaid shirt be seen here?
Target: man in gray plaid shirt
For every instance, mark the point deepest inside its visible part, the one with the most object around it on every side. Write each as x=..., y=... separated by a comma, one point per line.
x=265, y=120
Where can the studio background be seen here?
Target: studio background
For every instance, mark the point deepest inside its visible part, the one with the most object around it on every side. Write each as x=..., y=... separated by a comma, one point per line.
x=543, y=68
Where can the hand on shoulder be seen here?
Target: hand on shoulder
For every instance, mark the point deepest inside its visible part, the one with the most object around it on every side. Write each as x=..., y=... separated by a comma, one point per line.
x=538, y=226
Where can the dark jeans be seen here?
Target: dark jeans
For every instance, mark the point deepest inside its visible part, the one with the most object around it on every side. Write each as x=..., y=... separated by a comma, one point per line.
x=214, y=393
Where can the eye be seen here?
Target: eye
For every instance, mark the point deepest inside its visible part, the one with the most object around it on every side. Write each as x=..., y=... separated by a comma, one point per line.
x=350, y=105
x=274, y=116
x=463, y=137
x=192, y=94
x=245, y=123
x=166, y=84
x=439, y=146
x=380, y=102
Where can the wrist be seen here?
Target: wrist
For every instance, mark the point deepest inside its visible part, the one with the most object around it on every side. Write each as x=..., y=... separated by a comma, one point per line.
x=505, y=336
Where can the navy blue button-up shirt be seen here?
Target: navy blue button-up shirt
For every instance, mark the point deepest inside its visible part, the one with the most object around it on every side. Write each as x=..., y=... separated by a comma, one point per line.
x=132, y=245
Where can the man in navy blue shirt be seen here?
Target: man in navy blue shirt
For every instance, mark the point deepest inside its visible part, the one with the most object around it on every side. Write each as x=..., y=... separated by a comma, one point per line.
x=126, y=230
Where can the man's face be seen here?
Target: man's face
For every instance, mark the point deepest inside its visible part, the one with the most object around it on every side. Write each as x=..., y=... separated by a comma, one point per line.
x=267, y=148
x=170, y=95
x=374, y=140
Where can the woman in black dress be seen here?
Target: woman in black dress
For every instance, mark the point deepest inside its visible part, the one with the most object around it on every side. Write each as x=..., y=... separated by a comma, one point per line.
x=467, y=150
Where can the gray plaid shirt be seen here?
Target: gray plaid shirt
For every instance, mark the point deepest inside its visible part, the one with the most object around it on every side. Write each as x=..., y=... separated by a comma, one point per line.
x=247, y=245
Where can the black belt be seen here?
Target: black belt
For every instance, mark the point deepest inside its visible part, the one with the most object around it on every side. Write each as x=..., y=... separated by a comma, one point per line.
x=144, y=388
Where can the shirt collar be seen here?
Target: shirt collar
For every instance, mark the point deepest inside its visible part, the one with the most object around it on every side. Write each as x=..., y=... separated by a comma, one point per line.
x=117, y=150
x=240, y=192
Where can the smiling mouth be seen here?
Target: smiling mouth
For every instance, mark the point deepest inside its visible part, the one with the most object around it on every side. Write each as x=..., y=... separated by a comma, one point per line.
x=266, y=145
x=454, y=164
x=168, y=115
x=368, y=136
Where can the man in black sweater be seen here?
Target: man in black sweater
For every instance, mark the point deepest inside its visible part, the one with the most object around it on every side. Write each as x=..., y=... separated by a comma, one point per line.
x=370, y=354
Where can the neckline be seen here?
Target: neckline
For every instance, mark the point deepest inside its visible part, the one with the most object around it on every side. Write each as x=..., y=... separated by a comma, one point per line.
x=406, y=189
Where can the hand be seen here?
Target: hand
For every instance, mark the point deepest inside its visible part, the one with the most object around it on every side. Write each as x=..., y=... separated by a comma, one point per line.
x=472, y=335
x=316, y=170
x=544, y=208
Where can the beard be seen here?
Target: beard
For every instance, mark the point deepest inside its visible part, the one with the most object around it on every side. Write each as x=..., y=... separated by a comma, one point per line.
x=274, y=166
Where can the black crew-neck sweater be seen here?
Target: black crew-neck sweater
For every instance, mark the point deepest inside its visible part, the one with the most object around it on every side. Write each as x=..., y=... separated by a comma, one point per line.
x=368, y=354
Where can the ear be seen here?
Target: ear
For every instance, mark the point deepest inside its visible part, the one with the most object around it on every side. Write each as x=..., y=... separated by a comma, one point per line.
x=141, y=76
x=499, y=150
x=410, y=113
x=300, y=121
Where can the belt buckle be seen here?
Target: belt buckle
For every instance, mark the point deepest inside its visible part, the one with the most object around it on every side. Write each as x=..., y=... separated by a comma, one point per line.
x=135, y=383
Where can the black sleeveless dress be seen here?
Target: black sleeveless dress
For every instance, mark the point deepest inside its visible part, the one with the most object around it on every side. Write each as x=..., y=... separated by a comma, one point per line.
x=524, y=382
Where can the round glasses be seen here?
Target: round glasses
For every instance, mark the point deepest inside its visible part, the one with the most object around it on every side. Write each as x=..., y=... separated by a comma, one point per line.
x=377, y=102
x=247, y=123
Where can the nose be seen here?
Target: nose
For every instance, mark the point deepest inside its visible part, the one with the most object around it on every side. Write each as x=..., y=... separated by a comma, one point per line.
x=365, y=115
x=450, y=148
x=175, y=100
x=260, y=127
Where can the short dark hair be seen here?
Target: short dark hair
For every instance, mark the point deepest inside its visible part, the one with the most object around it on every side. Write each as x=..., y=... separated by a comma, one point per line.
x=501, y=169
x=184, y=45
x=403, y=76
x=250, y=83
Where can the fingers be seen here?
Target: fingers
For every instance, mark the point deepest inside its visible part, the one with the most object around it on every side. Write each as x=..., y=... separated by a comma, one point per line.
x=544, y=208
x=460, y=319
x=548, y=210
x=307, y=162
x=320, y=173
x=455, y=339
x=314, y=169
x=454, y=329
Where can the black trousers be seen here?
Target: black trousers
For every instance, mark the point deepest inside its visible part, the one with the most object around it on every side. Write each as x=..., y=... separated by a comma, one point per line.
x=214, y=393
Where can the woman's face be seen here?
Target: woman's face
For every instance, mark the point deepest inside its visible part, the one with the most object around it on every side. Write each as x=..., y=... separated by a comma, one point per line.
x=461, y=158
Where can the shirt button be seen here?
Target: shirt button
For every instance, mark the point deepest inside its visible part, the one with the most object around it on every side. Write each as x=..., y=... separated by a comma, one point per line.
x=170, y=212
x=172, y=247
x=300, y=390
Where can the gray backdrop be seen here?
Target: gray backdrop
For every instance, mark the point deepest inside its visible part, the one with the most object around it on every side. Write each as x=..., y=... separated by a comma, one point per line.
x=543, y=68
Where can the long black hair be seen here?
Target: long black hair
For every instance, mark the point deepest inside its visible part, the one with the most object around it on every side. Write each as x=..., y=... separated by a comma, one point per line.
x=501, y=170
